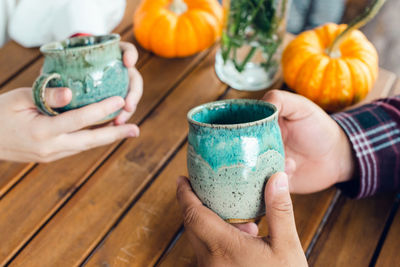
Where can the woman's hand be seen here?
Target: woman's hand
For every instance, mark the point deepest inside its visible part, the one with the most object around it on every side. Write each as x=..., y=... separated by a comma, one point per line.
x=130, y=57
x=217, y=243
x=26, y=135
x=318, y=152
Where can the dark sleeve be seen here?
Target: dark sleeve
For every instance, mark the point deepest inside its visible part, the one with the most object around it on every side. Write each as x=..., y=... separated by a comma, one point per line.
x=374, y=132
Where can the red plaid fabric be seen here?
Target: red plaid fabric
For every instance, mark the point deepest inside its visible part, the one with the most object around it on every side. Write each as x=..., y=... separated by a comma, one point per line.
x=374, y=132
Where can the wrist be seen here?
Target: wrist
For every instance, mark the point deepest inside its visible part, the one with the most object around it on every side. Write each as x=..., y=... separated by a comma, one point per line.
x=346, y=158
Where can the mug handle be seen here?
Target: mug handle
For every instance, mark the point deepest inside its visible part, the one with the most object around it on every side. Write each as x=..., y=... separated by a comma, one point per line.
x=39, y=93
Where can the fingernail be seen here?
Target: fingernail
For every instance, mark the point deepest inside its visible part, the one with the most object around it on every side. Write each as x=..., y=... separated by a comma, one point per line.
x=134, y=133
x=281, y=182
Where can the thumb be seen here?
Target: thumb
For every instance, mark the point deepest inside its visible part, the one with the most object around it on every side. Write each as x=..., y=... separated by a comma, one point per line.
x=58, y=97
x=279, y=212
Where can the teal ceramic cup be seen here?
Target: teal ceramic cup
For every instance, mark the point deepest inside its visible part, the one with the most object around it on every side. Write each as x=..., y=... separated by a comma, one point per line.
x=91, y=66
x=234, y=147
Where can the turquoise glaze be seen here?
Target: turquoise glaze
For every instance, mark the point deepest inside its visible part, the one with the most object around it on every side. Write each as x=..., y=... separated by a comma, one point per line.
x=234, y=147
x=90, y=66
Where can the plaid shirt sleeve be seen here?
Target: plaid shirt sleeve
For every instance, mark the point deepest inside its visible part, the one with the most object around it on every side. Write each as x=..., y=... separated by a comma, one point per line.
x=374, y=132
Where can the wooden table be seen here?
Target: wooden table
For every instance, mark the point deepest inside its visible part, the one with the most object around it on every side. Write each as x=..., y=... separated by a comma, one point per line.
x=115, y=205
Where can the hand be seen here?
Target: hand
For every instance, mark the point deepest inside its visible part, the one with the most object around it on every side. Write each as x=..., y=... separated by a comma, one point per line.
x=26, y=135
x=318, y=152
x=218, y=243
x=130, y=57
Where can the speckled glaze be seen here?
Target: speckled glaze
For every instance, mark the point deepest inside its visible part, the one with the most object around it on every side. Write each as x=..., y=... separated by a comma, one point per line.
x=234, y=147
x=90, y=66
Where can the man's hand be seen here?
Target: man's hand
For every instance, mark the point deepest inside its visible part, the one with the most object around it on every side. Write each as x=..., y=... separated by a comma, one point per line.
x=318, y=153
x=218, y=243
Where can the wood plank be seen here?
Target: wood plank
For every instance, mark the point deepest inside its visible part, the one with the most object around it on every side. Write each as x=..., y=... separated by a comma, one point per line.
x=15, y=58
x=389, y=254
x=344, y=239
x=11, y=172
x=144, y=233
x=352, y=232
x=310, y=208
x=28, y=62
x=307, y=209
x=78, y=227
x=55, y=182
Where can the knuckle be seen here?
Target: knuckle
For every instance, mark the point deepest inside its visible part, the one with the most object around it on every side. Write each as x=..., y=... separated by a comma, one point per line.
x=43, y=153
x=227, y=247
x=38, y=133
x=272, y=95
x=283, y=207
x=80, y=121
x=190, y=216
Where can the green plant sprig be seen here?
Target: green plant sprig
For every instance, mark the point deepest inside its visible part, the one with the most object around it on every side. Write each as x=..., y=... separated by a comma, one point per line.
x=251, y=21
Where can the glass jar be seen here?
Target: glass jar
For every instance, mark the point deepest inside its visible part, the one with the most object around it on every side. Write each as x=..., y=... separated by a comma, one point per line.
x=252, y=43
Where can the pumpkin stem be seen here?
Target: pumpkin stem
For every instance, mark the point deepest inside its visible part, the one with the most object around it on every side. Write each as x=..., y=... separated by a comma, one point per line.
x=178, y=7
x=368, y=14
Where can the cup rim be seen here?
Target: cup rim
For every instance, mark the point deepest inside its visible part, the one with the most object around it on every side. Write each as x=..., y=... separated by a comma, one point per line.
x=52, y=47
x=232, y=126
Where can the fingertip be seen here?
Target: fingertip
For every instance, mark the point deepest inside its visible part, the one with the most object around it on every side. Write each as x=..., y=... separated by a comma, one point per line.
x=290, y=166
x=67, y=95
x=135, y=131
x=181, y=180
x=276, y=184
x=118, y=102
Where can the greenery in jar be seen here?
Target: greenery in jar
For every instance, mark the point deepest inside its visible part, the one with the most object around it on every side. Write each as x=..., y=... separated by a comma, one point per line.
x=254, y=23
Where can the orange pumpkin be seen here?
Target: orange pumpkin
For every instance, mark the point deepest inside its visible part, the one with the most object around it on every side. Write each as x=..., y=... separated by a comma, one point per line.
x=332, y=79
x=177, y=28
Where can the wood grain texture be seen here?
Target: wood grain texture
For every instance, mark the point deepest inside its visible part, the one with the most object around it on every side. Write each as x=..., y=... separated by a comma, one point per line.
x=78, y=227
x=389, y=254
x=14, y=58
x=354, y=228
x=144, y=233
x=55, y=182
x=352, y=232
x=11, y=172
x=307, y=209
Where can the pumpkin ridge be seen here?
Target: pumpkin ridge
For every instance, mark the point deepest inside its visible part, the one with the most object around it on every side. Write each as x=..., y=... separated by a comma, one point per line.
x=153, y=43
x=181, y=44
x=357, y=76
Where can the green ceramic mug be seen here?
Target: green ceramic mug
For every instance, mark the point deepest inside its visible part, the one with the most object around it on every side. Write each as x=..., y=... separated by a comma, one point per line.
x=91, y=66
x=234, y=147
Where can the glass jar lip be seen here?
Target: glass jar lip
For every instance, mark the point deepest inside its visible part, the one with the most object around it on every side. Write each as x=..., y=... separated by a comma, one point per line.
x=88, y=43
x=210, y=105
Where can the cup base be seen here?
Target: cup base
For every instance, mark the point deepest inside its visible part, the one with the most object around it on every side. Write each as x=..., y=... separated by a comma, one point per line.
x=234, y=221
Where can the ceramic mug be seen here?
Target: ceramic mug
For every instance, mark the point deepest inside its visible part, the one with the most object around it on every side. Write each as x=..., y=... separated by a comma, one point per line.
x=234, y=147
x=91, y=66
